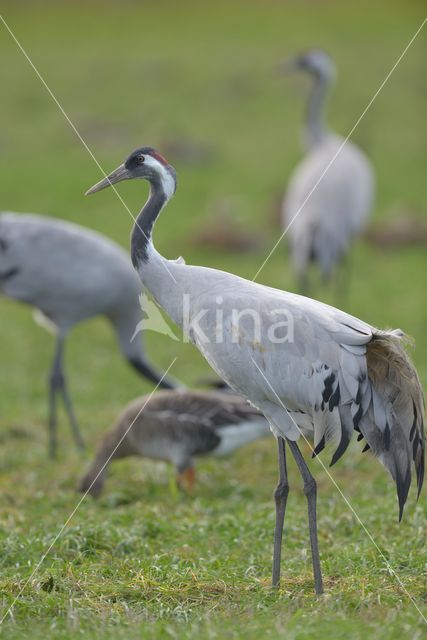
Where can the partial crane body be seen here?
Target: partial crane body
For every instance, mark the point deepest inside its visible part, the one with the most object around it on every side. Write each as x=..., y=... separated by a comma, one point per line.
x=330, y=194
x=70, y=274
x=310, y=368
x=177, y=427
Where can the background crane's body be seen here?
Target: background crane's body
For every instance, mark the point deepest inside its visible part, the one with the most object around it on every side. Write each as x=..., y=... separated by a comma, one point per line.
x=337, y=210
x=330, y=194
x=71, y=274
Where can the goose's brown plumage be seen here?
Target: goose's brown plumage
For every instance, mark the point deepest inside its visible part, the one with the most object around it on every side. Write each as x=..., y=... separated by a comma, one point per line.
x=175, y=427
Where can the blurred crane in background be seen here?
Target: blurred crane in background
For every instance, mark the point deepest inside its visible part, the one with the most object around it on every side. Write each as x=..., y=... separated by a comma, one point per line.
x=71, y=274
x=330, y=194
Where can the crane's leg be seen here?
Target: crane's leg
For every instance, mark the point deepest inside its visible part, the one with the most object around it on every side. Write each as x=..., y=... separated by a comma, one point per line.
x=342, y=280
x=57, y=385
x=72, y=417
x=310, y=490
x=280, y=498
x=304, y=284
x=53, y=408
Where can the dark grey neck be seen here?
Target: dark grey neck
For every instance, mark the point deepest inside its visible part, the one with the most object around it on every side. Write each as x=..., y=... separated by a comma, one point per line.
x=143, y=228
x=315, y=126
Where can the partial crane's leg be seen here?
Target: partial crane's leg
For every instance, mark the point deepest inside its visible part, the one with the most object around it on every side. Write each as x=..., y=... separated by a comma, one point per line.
x=57, y=384
x=342, y=280
x=302, y=258
x=310, y=490
x=304, y=284
x=280, y=498
x=53, y=413
x=72, y=418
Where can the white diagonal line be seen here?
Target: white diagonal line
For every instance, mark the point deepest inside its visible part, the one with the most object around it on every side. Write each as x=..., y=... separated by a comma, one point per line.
x=340, y=148
x=66, y=523
x=74, y=128
x=388, y=565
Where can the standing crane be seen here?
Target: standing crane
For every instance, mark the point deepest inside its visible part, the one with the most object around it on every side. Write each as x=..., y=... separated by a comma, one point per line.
x=308, y=367
x=330, y=194
x=176, y=427
x=71, y=274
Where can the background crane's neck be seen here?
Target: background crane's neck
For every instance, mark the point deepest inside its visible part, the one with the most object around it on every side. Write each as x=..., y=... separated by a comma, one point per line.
x=141, y=241
x=316, y=130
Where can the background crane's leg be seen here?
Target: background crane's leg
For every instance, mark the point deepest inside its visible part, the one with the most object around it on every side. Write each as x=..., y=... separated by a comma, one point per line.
x=72, y=417
x=57, y=384
x=310, y=490
x=53, y=413
x=280, y=498
x=342, y=280
x=304, y=284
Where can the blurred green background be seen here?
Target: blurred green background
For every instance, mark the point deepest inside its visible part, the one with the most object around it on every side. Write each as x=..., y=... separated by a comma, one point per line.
x=199, y=81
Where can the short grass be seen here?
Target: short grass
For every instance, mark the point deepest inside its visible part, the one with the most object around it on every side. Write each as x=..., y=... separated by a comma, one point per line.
x=144, y=562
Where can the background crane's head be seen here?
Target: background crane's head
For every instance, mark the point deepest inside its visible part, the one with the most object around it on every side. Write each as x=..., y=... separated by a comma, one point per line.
x=145, y=163
x=314, y=61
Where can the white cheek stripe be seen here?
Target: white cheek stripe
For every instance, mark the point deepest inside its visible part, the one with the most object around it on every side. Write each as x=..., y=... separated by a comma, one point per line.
x=167, y=180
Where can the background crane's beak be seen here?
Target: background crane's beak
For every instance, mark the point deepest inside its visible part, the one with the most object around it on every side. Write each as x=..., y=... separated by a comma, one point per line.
x=121, y=173
x=289, y=65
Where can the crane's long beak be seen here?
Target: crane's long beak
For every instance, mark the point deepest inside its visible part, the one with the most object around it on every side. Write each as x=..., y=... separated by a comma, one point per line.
x=121, y=173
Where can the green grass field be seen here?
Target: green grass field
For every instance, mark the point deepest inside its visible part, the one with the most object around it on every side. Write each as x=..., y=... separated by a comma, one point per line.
x=143, y=561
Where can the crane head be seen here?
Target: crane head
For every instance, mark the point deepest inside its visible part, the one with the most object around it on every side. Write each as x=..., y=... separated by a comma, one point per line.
x=145, y=163
x=315, y=62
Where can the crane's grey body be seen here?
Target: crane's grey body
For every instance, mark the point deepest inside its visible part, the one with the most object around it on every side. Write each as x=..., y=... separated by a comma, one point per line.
x=330, y=194
x=176, y=427
x=317, y=380
x=70, y=274
x=321, y=371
